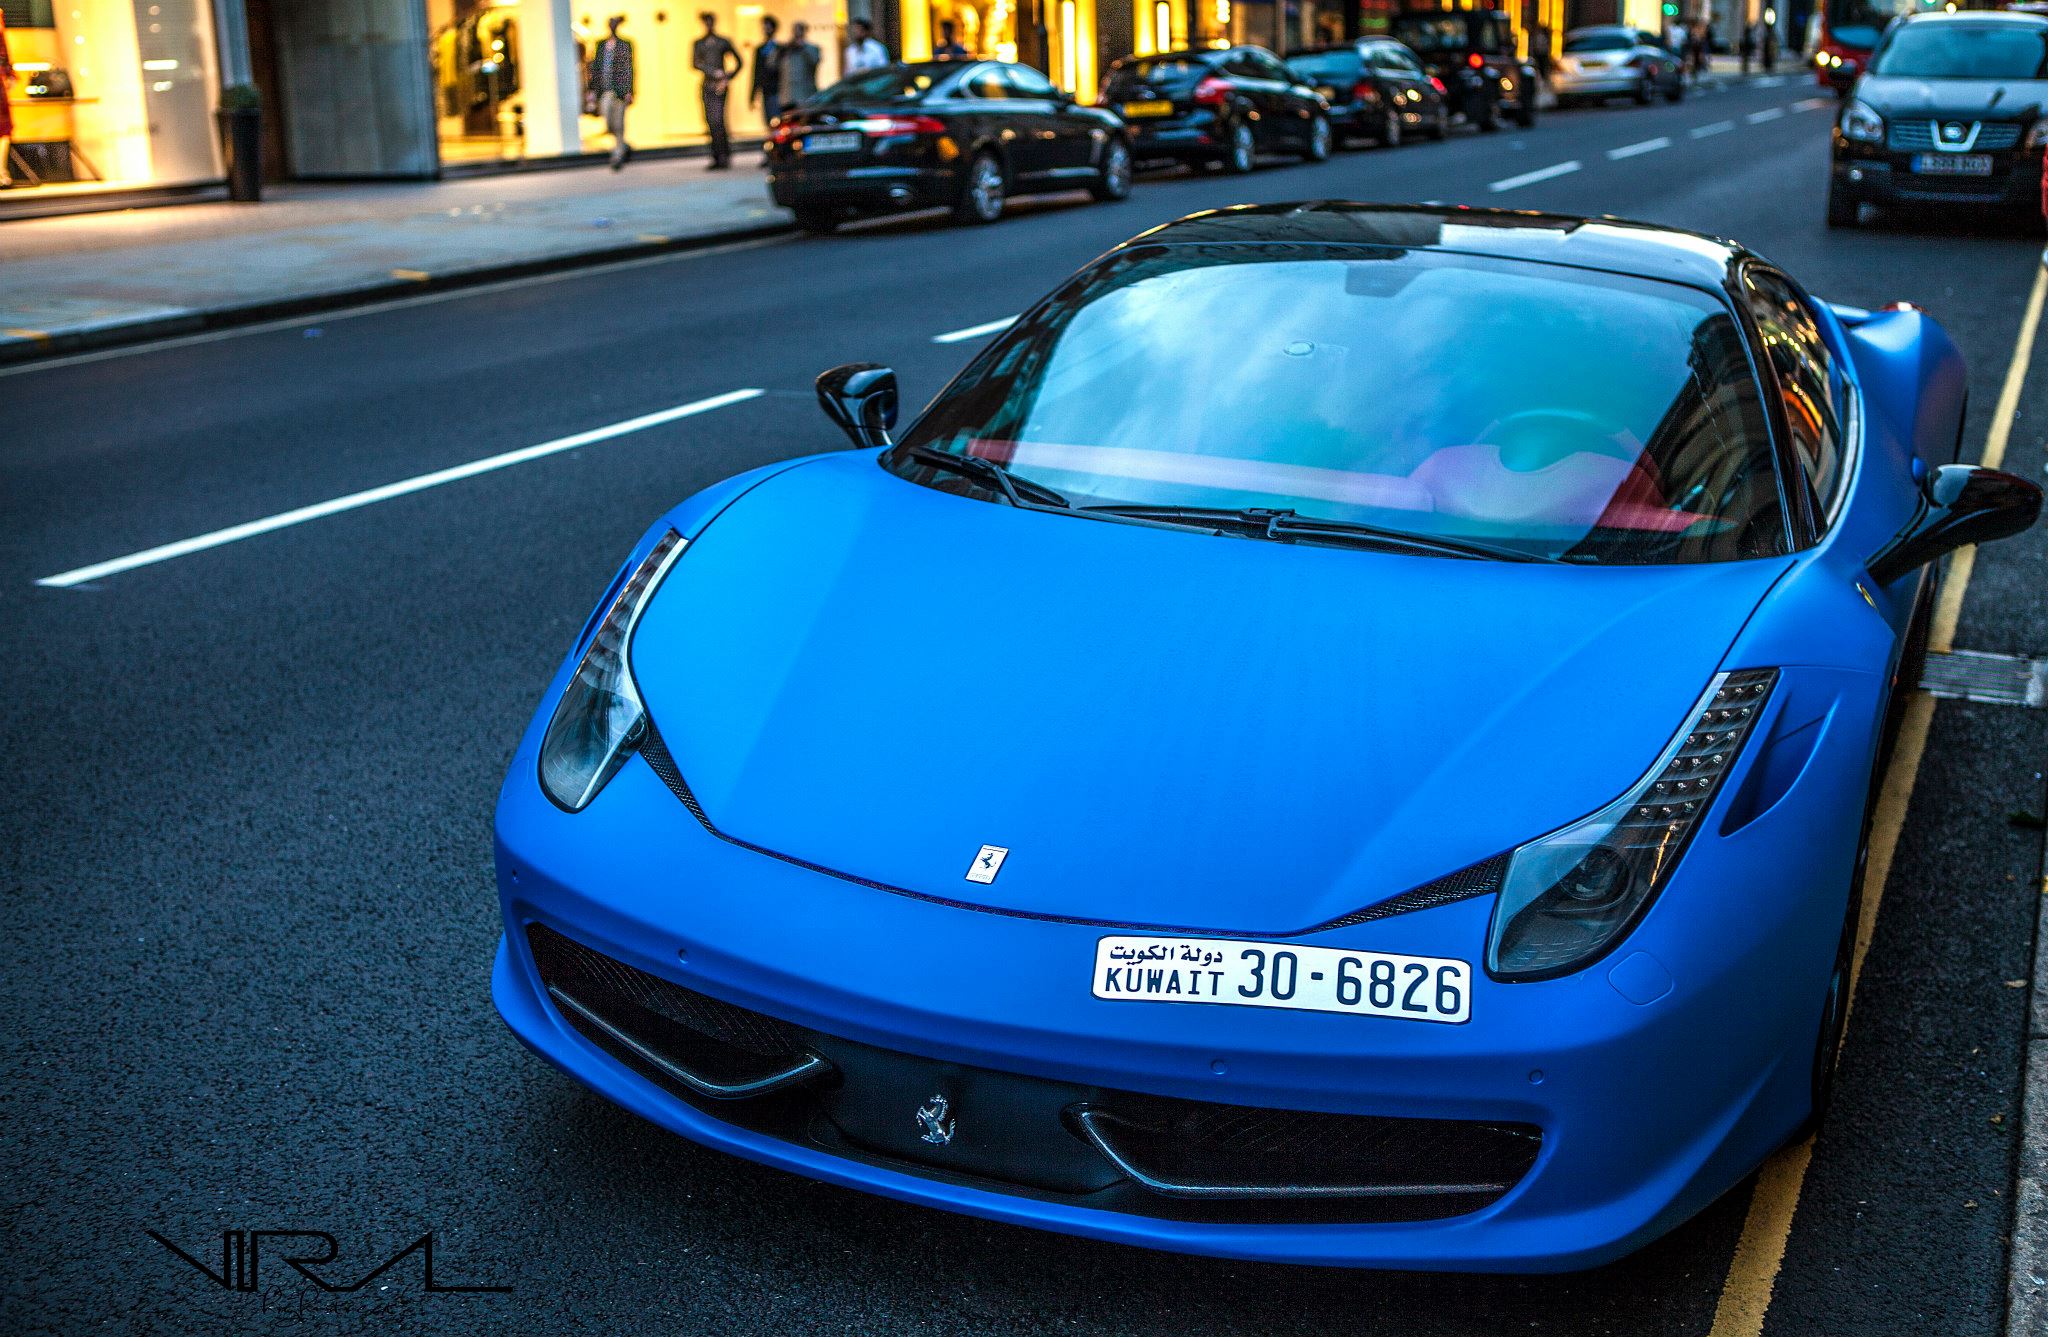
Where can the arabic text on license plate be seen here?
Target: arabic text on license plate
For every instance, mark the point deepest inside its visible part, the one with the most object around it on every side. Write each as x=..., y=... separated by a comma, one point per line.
x=1279, y=974
x=1952, y=164
x=842, y=141
x=1160, y=108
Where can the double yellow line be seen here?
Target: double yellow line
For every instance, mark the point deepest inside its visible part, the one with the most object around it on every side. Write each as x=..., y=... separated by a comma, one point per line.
x=1761, y=1250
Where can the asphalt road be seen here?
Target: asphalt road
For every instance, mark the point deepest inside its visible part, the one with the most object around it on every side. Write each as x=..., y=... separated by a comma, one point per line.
x=244, y=835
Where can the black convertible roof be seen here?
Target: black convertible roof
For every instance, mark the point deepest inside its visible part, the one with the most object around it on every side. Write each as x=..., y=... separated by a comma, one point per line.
x=1610, y=244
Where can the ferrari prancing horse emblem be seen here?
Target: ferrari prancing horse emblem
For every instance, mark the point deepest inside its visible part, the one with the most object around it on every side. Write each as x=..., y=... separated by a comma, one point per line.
x=987, y=863
x=935, y=1120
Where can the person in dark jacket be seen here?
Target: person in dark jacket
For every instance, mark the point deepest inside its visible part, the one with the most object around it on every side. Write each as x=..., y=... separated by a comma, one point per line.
x=800, y=58
x=766, y=85
x=611, y=79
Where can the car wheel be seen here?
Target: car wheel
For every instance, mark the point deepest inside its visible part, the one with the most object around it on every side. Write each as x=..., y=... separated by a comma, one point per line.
x=1834, y=1016
x=1390, y=129
x=810, y=218
x=1244, y=153
x=1441, y=126
x=1643, y=91
x=1318, y=147
x=1487, y=118
x=1843, y=208
x=981, y=192
x=1675, y=93
x=1114, y=182
x=1525, y=109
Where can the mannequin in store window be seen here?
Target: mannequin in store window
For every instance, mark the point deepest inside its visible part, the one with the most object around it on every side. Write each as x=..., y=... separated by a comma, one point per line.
x=611, y=78
x=6, y=116
x=716, y=62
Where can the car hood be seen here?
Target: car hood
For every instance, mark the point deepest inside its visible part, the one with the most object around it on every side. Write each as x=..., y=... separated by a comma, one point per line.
x=1997, y=99
x=1162, y=727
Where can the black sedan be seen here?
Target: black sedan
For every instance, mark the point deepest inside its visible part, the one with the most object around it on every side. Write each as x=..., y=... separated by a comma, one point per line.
x=962, y=135
x=1217, y=108
x=1376, y=88
x=1953, y=110
x=1472, y=52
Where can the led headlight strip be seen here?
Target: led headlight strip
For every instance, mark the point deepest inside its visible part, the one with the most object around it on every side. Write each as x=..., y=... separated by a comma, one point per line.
x=1571, y=895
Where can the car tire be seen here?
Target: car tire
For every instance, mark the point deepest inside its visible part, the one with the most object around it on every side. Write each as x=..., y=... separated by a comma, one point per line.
x=1643, y=91
x=1389, y=135
x=1318, y=147
x=1834, y=1016
x=1113, y=182
x=982, y=190
x=1243, y=153
x=1526, y=94
x=810, y=218
x=1844, y=210
x=1675, y=93
x=1487, y=117
x=1440, y=128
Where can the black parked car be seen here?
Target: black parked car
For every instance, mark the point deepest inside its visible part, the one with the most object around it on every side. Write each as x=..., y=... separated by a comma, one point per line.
x=1376, y=88
x=1953, y=109
x=1472, y=52
x=1217, y=107
x=964, y=135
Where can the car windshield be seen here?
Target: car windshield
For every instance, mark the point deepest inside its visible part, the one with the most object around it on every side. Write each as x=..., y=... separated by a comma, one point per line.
x=1965, y=51
x=891, y=83
x=1431, y=34
x=1341, y=64
x=1598, y=41
x=1558, y=412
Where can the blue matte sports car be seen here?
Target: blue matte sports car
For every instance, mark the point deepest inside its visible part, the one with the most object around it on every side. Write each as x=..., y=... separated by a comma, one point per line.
x=1344, y=736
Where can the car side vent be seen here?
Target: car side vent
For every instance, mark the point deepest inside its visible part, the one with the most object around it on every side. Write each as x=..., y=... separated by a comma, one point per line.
x=1481, y=879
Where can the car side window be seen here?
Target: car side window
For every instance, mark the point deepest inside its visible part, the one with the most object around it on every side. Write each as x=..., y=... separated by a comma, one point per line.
x=1400, y=60
x=1240, y=64
x=986, y=82
x=1809, y=383
x=1027, y=82
x=1269, y=67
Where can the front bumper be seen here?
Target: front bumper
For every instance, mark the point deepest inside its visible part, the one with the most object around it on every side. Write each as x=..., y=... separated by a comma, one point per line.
x=1658, y=1078
x=1871, y=174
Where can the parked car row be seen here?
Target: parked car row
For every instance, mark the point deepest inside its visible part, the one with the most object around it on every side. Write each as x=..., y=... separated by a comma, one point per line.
x=966, y=135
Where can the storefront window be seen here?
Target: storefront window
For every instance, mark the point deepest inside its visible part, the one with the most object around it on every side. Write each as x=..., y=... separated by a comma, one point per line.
x=109, y=94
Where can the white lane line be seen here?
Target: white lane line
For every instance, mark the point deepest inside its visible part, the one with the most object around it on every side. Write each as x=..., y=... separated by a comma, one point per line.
x=1712, y=128
x=974, y=331
x=1768, y=81
x=1815, y=103
x=236, y=533
x=1531, y=178
x=1647, y=146
x=1767, y=114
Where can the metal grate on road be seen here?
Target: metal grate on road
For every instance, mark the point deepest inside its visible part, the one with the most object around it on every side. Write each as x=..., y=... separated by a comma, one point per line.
x=1998, y=680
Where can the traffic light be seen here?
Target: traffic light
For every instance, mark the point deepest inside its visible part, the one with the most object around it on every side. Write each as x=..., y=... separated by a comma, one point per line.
x=1670, y=9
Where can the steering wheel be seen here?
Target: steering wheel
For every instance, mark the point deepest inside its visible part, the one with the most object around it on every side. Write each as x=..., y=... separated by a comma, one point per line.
x=1534, y=439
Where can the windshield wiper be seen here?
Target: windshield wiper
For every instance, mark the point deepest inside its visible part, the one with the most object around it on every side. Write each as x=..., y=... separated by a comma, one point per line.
x=1289, y=527
x=990, y=475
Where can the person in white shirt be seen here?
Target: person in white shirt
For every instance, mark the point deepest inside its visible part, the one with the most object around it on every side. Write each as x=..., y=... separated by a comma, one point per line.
x=863, y=52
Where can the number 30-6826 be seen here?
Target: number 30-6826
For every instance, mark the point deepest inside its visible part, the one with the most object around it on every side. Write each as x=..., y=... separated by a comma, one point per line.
x=1377, y=983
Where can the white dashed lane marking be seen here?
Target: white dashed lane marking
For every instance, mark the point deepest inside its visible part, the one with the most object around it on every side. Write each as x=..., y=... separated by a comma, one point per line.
x=1531, y=178
x=1647, y=146
x=1711, y=128
x=1767, y=114
x=974, y=331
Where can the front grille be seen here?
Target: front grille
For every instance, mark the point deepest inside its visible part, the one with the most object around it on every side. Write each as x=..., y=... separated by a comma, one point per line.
x=1151, y=1155
x=1918, y=136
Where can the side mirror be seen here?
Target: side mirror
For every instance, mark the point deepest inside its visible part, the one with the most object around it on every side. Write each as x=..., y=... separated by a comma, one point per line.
x=1841, y=78
x=861, y=398
x=1960, y=505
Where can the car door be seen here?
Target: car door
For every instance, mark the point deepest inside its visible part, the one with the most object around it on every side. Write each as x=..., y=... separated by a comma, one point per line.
x=1807, y=382
x=1023, y=126
x=1067, y=142
x=1287, y=104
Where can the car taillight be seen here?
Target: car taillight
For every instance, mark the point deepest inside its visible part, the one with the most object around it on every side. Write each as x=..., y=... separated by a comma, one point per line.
x=1212, y=92
x=1365, y=92
x=1437, y=84
x=784, y=132
x=1476, y=61
x=879, y=126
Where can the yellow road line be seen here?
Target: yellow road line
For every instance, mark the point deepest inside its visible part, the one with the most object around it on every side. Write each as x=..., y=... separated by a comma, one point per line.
x=1753, y=1272
x=37, y=335
x=411, y=275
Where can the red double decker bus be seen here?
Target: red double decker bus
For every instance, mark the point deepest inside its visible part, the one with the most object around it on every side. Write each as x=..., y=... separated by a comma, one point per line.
x=1842, y=33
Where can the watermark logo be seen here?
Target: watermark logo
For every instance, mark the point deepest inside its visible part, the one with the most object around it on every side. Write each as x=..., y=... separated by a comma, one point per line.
x=312, y=1254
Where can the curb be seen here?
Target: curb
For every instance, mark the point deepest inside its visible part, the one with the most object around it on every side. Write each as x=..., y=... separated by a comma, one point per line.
x=2026, y=1306
x=149, y=328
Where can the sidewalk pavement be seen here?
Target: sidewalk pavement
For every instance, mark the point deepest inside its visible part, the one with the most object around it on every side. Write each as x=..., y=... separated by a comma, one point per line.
x=88, y=279
x=85, y=280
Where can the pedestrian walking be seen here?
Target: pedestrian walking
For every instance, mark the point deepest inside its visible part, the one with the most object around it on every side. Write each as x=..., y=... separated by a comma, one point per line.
x=611, y=84
x=1770, y=43
x=766, y=87
x=800, y=61
x=716, y=62
x=1699, y=45
x=948, y=46
x=863, y=52
x=1748, y=47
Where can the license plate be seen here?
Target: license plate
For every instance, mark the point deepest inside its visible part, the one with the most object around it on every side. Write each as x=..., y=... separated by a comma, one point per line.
x=1952, y=164
x=1276, y=974
x=839, y=141
x=1161, y=108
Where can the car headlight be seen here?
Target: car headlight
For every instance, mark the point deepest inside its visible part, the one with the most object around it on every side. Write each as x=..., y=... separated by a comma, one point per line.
x=2037, y=134
x=600, y=719
x=1862, y=124
x=1569, y=896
